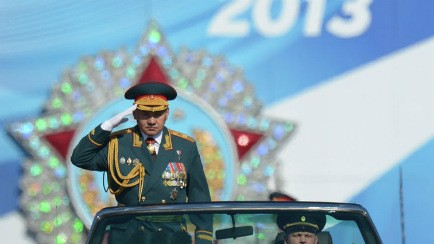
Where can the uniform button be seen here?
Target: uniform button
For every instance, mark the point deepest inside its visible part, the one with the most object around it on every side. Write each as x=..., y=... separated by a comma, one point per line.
x=163, y=201
x=142, y=228
x=159, y=229
x=143, y=198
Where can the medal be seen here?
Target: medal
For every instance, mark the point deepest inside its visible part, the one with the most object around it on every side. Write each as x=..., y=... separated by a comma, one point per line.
x=173, y=193
x=179, y=152
x=136, y=161
x=151, y=148
x=175, y=175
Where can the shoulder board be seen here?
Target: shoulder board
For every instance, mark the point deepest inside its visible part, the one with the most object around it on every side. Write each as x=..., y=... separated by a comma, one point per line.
x=121, y=132
x=182, y=135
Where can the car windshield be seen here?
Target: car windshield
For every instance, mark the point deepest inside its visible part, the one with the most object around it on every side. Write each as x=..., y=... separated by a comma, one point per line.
x=233, y=223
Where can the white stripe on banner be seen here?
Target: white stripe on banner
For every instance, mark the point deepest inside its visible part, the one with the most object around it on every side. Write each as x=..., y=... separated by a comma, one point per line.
x=352, y=129
x=13, y=229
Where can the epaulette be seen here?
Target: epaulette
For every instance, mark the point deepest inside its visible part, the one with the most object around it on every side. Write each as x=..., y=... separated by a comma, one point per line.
x=121, y=132
x=182, y=135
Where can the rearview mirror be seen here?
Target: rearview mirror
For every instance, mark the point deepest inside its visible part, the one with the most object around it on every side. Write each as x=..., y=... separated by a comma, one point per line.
x=234, y=232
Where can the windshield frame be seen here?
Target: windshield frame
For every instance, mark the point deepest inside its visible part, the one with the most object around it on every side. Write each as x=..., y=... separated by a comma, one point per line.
x=344, y=211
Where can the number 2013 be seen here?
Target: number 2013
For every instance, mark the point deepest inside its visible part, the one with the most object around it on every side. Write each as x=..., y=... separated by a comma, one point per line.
x=229, y=23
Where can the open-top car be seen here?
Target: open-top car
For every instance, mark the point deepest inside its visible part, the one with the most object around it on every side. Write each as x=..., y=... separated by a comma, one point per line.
x=239, y=222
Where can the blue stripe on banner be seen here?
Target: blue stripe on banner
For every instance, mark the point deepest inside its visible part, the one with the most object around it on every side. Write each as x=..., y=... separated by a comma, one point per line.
x=10, y=173
x=418, y=189
x=382, y=199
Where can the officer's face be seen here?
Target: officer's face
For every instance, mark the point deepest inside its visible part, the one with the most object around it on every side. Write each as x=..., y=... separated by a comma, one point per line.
x=302, y=238
x=151, y=123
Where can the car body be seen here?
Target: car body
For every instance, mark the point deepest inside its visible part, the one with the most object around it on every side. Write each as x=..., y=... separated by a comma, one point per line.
x=250, y=221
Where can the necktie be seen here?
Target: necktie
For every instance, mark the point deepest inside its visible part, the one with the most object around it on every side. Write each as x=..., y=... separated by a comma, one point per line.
x=150, y=144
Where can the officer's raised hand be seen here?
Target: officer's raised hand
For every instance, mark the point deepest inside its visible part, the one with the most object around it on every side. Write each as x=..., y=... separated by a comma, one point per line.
x=118, y=119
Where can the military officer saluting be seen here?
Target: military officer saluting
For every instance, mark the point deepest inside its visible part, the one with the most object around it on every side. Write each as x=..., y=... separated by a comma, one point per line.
x=148, y=163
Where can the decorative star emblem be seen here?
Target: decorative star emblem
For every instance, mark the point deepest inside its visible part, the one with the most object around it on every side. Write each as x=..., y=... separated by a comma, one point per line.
x=45, y=198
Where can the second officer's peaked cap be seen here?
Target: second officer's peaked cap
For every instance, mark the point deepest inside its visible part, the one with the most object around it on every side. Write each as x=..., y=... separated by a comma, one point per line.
x=291, y=223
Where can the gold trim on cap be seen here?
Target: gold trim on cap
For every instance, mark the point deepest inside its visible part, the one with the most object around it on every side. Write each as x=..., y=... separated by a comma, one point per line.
x=152, y=103
x=152, y=108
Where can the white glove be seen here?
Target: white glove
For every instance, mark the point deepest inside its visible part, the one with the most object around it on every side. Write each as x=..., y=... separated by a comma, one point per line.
x=118, y=119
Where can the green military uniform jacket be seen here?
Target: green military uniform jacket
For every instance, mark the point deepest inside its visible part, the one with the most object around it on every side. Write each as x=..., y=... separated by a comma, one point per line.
x=136, y=177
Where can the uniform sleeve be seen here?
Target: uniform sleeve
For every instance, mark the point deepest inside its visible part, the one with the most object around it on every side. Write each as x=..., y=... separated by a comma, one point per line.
x=198, y=191
x=91, y=152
